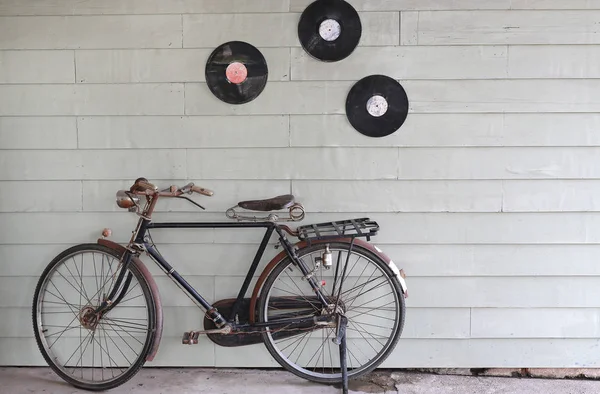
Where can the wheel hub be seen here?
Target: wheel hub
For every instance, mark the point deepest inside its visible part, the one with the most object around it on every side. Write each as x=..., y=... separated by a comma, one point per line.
x=89, y=318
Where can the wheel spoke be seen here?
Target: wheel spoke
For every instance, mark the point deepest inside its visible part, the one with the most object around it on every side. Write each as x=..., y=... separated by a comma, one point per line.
x=352, y=300
x=297, y=339
x=372, y=314
x=75, y=351
x=304, y=347
x=317, y=351
x=99, y=342
x=359, y=277
x=300, y=294
x=117, y=346
x=126, y=321
x=113, y=325
x=360, y=332
x=80, y=274
x=62, y=298
x=375, y=299
x=347, y=274
x=361, y=286
x=69, y=282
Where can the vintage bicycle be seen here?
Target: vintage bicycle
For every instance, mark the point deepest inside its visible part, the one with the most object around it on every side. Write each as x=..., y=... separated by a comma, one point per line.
x=327, y=308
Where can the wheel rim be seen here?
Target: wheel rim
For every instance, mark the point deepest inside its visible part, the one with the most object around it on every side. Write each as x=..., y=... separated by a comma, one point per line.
x=368, y=298
x=86, y=347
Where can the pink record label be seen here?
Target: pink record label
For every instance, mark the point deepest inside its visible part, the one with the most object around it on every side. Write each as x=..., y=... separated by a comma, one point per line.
x=236, y=72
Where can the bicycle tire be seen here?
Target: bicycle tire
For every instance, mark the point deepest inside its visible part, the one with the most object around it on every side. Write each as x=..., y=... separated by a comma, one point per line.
x=42, y=340
x=334, y=377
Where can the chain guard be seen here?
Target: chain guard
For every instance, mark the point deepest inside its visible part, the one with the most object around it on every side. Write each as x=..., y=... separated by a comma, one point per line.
x=233, y=339
x=237, y=338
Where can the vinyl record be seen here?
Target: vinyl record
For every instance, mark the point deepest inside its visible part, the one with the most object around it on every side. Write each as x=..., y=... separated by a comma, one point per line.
x=329, y=30
x=377, y=106
x=236, y=72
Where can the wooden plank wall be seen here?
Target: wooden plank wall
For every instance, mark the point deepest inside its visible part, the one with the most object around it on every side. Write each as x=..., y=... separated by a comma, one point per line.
x=487, y=196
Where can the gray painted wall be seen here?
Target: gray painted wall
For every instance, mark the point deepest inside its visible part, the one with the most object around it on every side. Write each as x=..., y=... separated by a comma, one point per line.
x=487, y=196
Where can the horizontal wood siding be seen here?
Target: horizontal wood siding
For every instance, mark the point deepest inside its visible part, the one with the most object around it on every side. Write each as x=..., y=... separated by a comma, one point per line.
x=487, y=196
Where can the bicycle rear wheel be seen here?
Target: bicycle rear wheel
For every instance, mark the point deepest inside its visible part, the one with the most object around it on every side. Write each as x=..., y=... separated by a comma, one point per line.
x=370, y=297
x=90, y=351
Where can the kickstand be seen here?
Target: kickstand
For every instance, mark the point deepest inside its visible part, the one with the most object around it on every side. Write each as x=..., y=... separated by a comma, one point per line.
x=341, y=341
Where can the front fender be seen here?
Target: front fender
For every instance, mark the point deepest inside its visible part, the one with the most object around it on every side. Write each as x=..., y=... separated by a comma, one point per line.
x=358, y=242
x=153, y=289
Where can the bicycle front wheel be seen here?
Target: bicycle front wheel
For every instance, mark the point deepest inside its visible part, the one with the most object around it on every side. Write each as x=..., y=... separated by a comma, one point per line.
x=365, y=290
x=88, y=350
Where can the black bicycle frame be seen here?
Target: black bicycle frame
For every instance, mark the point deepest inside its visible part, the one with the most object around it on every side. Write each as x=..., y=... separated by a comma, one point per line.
x=269, y=227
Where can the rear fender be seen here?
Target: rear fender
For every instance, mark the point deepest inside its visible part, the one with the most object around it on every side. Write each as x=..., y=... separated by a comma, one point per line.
x=357, y=242
x=153, y=289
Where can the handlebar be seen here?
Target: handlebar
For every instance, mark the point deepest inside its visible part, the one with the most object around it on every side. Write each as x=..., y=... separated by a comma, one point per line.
x=143, y=187
x=203, y=191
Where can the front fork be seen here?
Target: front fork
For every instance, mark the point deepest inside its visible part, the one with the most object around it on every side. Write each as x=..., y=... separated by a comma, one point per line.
x=124, y=277
x=137, y=237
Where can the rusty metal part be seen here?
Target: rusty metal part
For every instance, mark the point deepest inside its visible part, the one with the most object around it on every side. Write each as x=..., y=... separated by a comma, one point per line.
x=288, y=230
x=153, y=289
x=191, y=337
x=295, y=213
x=89, y=318
x=203, y=191
x=142, y=187
x=261, y=280
x=282, y=255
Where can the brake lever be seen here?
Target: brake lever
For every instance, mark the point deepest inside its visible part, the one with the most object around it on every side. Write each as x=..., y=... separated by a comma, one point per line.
x=187, y=189
x=192, y=201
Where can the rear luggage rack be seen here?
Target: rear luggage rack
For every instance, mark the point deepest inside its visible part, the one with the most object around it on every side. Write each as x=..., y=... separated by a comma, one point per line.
x=363, y=227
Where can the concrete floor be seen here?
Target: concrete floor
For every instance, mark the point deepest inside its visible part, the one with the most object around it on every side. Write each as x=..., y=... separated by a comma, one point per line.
x=228, y=381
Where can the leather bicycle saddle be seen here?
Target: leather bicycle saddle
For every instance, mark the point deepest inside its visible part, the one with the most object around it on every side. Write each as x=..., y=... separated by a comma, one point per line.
x=270, y=204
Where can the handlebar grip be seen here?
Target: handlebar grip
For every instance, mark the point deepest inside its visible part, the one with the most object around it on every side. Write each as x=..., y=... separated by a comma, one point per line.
x=203, y=191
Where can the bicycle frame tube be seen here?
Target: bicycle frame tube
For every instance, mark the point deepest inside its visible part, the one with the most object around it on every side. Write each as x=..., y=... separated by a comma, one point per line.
x=176, y=276
x=145, y=224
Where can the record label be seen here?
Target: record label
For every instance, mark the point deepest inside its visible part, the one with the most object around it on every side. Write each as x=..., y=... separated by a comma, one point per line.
x=236, y=72
x=329, y=30
x=377, y=106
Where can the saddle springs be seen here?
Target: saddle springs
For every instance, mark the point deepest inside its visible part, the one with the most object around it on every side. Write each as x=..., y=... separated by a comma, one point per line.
x=295, y=213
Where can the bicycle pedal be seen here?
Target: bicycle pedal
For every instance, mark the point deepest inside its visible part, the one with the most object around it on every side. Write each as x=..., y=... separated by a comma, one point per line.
x=190, y=337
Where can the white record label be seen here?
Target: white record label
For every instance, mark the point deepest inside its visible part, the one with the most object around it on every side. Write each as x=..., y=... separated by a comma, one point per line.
x=330, y=30
x=377, y=106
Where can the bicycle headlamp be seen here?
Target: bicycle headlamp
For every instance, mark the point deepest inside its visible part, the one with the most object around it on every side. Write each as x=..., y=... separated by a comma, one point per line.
x=127, y=200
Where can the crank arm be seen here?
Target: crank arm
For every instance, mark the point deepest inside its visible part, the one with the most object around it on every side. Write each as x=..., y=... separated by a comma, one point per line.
x=191, y=337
